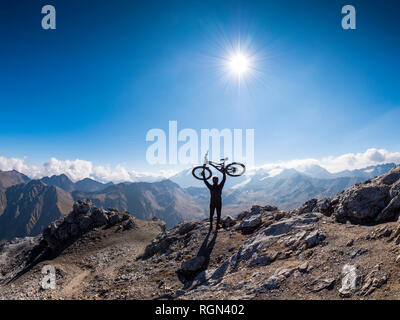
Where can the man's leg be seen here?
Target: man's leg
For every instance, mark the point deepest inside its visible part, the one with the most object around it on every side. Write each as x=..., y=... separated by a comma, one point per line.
x=219, y=209
x=212, y=209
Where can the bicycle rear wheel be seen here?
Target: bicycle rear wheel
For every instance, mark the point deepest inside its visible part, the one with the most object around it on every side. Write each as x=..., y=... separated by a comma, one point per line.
x=198, y=170
x=235, y=169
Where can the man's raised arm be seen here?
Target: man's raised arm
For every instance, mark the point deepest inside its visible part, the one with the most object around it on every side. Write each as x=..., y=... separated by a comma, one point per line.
x=223, y=179
x=205, y=181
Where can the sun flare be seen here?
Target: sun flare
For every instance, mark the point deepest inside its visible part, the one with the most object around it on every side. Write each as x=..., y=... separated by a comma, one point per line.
x=239, y=64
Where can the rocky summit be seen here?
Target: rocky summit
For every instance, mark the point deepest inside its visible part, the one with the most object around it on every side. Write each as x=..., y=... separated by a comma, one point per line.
x=345, y=247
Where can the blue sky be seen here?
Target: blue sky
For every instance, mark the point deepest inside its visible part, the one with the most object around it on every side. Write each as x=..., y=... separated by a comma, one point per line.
x=112, y=70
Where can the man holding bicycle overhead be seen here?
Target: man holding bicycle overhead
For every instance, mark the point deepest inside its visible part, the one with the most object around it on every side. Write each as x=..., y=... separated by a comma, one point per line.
x=216, y=197
x=234, y=169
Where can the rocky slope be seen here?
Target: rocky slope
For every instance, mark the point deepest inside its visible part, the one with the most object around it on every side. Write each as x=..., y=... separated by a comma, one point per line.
x=373, y=201
x=87, y=242
x=322, y=250
x=25, y=209
x=11, y=178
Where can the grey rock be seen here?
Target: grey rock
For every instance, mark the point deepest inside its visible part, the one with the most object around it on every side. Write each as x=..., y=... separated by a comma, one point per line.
x=314, y=238
x=263, y=259
x=374, y=280
x=125, y=216
x=187, y=227
x=373, y=201
x=61, y=233
x=350, y=243
x=307, y=207
x=320, y=284
x=303, y=268
x=113, y=218
x=193, y=264
x=288, y=225
x=350, y=281
x=358, y=252
x=390, y=211
x=99, y=217
x=272, y=282
x=74, y=229
x=251, y=223
x=228, y=222
x=269, y=208
x=324, y=206
x=82, y=206
x=284, y=272
x=361, y=203
x=391, y=177
x=85, y=223
x=395, y=189
x=129, y=224
x=243, y=215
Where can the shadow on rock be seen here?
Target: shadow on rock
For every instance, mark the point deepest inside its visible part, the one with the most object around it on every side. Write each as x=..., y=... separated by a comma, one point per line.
x=192, y=267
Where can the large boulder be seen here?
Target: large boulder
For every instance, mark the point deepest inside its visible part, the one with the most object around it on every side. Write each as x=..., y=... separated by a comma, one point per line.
x=251, y=223
x=373, y=201
x=362, y=203
x=351, y=280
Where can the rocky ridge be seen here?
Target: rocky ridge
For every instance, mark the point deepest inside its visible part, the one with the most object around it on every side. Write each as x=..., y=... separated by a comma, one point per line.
x=346, y=247
x=374, y=201
x=20, y=254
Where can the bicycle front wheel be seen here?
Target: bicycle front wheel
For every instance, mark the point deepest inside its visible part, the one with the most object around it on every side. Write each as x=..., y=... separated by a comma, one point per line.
x=197, y=173
x=235, y=169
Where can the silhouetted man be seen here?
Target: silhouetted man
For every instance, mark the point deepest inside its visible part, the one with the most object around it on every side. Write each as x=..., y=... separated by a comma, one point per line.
x=216, y=198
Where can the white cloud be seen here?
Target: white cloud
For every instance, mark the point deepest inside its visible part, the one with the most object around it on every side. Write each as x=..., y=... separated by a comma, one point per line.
x=13, y=164
x=79, y=169
x=349, y=161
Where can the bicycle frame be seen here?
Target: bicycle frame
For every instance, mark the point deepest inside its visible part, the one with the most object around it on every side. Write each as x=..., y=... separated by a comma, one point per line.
x=218, y=166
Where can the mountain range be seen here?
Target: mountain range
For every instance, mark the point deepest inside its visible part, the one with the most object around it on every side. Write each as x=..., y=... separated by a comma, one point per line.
x=27, y=206
x=63, y=182
x=257, y=175
x=287, y=189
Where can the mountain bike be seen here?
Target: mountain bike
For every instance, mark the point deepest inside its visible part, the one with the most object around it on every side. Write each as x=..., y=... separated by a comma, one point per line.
x=234, y=169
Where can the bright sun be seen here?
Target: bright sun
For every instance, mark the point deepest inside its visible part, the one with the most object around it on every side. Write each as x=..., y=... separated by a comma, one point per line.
x=239, y=64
